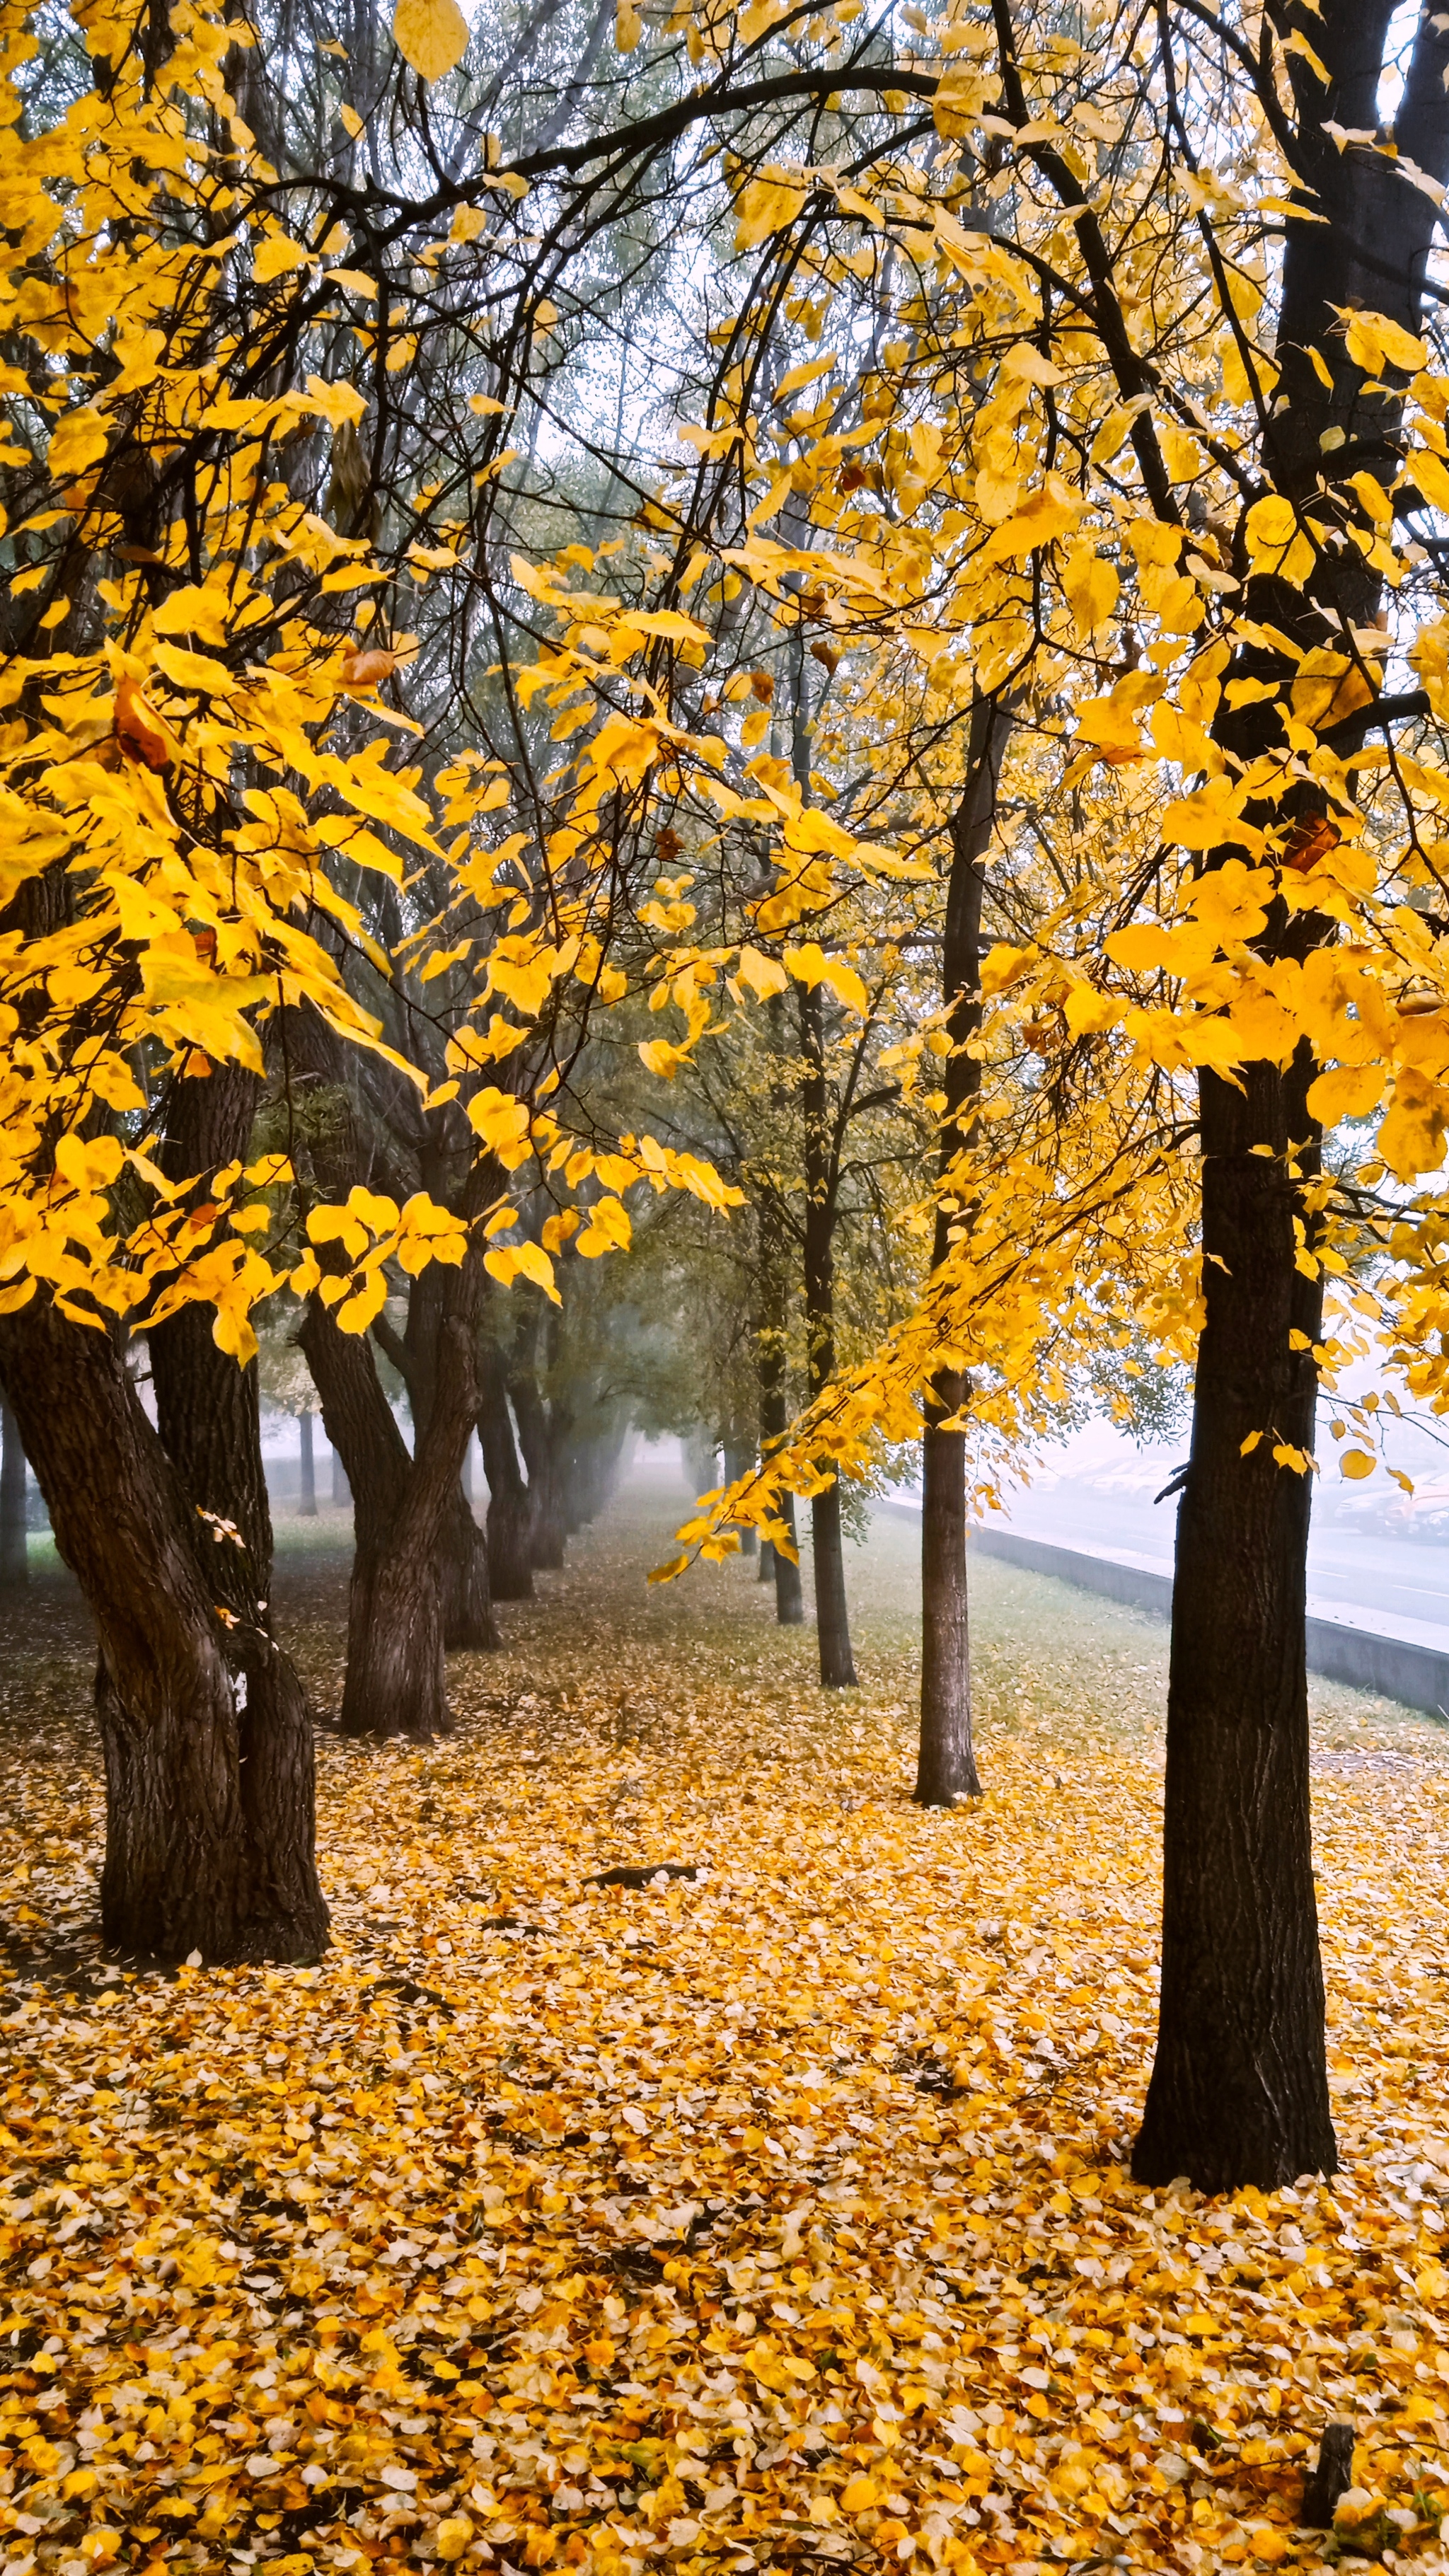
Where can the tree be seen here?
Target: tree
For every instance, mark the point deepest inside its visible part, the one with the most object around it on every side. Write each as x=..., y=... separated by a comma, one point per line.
x=205, y=1732
x=14, y=1552
x=946, y=1769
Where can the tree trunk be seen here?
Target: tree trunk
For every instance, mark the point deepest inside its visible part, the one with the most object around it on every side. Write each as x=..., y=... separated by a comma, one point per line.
x=832, y=1620
x=1239, y=2090
x=775, y=1422
x=510, y=1516
x=465, y=1575
x=532, y=1417
x=14, y=1558
x=738, y=1461
x=401, y=1507
x=204, y=1728
x=946, y=1766
x=765, y=1571
x=307, y=1507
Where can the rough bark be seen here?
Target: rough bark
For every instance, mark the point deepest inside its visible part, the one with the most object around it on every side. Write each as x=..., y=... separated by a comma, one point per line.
x=209, y=1424
x=14, y=1556
x=307, y=1470
x=510, y=1512
x=207, y=1745
x=1239, y=2090
x=946, y=1766
x=832, y=1618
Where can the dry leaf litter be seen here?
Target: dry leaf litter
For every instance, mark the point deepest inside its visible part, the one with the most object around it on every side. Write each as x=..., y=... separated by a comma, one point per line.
x=771, y=2217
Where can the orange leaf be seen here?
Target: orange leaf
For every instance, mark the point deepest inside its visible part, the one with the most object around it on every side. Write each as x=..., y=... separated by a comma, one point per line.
x=139, y=729
x=366, y=668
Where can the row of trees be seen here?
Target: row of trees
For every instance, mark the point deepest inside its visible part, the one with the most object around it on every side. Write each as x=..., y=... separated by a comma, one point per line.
x=946, y=850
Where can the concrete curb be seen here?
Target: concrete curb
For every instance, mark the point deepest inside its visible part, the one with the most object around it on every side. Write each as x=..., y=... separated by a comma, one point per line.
x=1416, y=1676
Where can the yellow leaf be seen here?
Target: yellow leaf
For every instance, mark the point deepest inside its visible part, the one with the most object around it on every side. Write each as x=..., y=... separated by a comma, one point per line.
x=1356, y=1463
x=1092, y=588
x=78, y=439
x=762, y=974
x=764, y=206
x=1349, y=1091
x=431, y=35
x=196, y=671
x=1276, y=542
x=498, y=1117
x=1371, y=338
x=276, y=255
x=859, y=2494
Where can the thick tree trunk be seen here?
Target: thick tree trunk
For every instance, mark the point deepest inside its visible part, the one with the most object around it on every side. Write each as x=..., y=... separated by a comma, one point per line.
x=14, y=1556
x=510, y=1512
x=1239, y=2091
x=307, y=1486
x=208, y=1419
x=946, y=1768
x=832, y=1620
x=207, y=1744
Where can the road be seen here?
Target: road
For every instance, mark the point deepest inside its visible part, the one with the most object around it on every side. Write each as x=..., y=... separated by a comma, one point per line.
x=1356, y=1577
x=1352, y=1576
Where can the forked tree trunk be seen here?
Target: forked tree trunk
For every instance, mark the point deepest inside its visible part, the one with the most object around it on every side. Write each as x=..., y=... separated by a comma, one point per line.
x=14, y=1552
x=510, y=1514
x=401, y=1509
x=946, y=1765
x=464, y=1573
x=307, y=1487
x=1239, y=2090
x=204, y=1729
x=832, y=1618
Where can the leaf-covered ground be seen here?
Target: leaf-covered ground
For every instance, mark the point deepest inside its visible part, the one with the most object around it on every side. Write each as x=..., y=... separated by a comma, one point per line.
x=770, y=2216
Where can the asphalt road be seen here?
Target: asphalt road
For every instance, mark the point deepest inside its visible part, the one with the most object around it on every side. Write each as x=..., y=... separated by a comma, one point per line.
x=1351, y=1575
